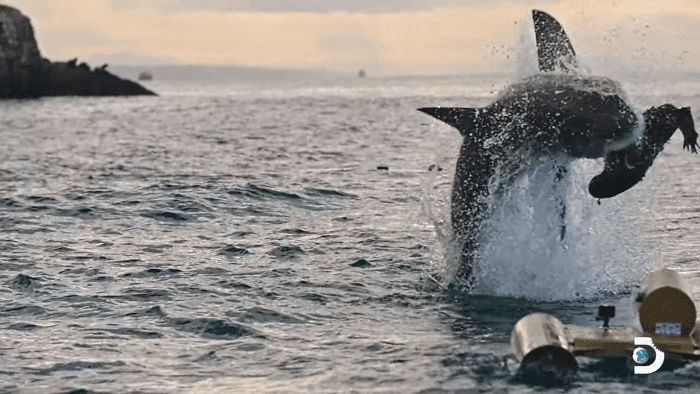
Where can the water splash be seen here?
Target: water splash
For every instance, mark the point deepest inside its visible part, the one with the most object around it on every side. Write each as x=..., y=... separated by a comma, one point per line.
x=526, y=52
x=546, y=238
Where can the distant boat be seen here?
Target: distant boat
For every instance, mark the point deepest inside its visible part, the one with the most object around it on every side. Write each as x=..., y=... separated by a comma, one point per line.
x=145, y=76
x=362, y=74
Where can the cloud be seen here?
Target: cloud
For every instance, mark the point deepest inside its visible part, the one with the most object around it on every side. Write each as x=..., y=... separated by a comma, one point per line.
x=315, y=6
x=127, y=58
x=76, y=36
x=349, y=41
x=408, y=36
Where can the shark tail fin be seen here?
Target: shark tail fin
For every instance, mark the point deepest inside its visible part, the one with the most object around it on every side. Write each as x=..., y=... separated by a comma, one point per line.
x=554, y=50
x=463, y=119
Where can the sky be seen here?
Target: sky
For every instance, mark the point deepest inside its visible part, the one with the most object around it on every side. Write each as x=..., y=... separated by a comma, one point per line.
x=388, y=37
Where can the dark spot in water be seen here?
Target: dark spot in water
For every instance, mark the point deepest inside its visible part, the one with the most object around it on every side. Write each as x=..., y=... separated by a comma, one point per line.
x=79, y=366
x=103, y=278
x=282, y=272
x=433, y=167
x=152, y=272
x=226, y=284
x=146, y=294
x=75, y=299
x=37, y=208
x=216, y=271
x=155, y=271
x=212, y=328
x=62, y=249
x=315, y=297
x=23, y=282
x=23, y=310
x=361, y=263
x=128, y=202
x=294, y=231
x=81, y=271
x=327, y=192
x=383, y=168
x=128, y=261
x=251, y=347
x=152, y=250
x=155, y=311
x=260, y=192
x=23, y=326
x=10, y=202
x=41, y=199
x=136, y=333
x=271, y=295
x=76, y=197
x=262, y=315
x=342, y=219
x=82, y=391
x=207, y=357
x=386, y=347
x=167, y=216
x=83, y=213
x=232, y=251
x=287, y=251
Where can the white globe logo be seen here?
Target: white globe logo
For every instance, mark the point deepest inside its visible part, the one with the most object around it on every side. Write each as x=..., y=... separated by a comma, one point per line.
x=640, y=355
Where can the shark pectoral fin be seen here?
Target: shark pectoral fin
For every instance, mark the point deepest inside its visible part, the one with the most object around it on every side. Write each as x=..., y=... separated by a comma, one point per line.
x=554, y=50
x=463, y=119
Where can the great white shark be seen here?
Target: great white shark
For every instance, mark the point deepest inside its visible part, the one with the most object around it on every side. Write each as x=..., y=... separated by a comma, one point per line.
x=556, y=113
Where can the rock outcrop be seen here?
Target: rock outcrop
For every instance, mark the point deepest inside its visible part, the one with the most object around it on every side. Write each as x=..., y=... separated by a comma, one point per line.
x=67, y=79
x=24, y=73
x=22, y=70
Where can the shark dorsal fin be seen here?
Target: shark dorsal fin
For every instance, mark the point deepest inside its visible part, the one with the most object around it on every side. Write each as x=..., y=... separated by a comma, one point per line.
x=463, y=119
x=554, y=50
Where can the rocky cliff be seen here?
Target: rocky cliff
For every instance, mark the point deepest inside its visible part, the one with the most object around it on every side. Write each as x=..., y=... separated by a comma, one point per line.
x=22, y=70
x=25, y=73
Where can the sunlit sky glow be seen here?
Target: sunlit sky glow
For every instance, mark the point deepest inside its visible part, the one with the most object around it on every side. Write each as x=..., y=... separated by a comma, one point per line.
x=384, y=37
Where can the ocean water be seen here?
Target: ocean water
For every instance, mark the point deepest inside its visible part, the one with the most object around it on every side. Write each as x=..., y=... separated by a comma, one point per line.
x=292, y=235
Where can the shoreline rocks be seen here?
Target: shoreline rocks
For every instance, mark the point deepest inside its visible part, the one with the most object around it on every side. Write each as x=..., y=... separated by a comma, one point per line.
x=24, y=73
x=64, y=79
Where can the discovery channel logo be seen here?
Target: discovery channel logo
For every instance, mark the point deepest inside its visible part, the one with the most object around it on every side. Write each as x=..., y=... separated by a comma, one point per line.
x=641, y=356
